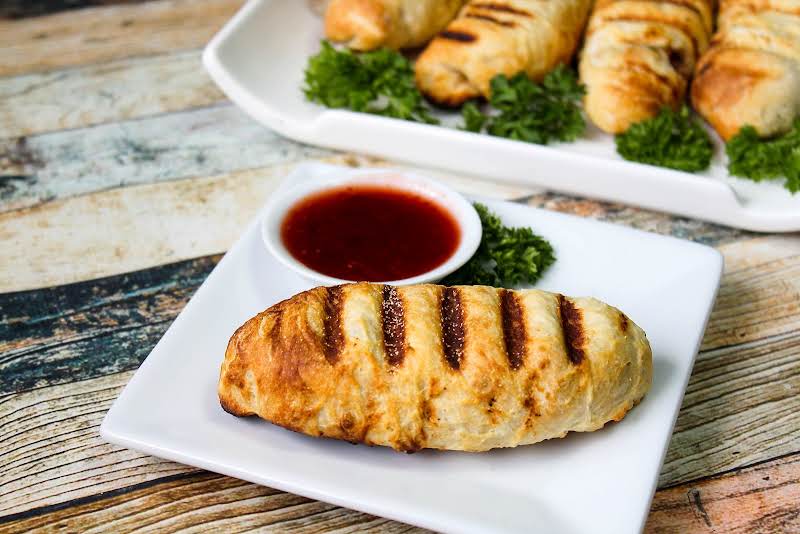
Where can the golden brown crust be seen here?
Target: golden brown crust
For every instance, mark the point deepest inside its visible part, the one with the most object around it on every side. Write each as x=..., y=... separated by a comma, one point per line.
x=465, y=381
x=370, y=24
x=751, y=73
x=638, y=57
x=498, y=37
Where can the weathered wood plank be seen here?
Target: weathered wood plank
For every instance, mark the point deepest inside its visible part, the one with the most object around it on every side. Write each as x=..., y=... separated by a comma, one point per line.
x=96, y=94
x=108, y=33
x=763, y=499
x=123, y=490
x=202, y=501
x=150, y=225
x=81, y=331
x=52, y=451
x=201, y=142
x=17, y=9
x=145, y=226
x=742, y=406
x=760, y=499
x=761, y=293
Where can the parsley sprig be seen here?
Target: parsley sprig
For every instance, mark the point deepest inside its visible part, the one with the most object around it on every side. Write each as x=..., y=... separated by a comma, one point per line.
x=379, y=82
x=505, y=257
x=534, y=112
x=750, y=156
x=671, y=139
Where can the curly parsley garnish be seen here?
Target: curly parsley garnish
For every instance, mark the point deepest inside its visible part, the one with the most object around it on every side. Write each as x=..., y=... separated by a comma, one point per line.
x=506, y=256
x=750, y=156
x=527, y=111
x=379, y=82
x=671, y=139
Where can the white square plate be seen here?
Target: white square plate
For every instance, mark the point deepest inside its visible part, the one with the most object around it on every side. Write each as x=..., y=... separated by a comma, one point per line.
x=258, y=60
x=600, y=482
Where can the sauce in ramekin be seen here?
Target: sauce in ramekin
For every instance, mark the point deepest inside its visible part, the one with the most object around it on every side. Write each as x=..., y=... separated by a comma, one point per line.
x=370, y=233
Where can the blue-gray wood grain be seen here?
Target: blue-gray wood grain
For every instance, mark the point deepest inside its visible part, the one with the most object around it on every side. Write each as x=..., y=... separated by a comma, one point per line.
x=89, y=329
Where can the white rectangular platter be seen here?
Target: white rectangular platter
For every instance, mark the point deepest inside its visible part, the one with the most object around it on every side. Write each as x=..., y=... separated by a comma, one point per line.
x=601, y=482
x=258, y=60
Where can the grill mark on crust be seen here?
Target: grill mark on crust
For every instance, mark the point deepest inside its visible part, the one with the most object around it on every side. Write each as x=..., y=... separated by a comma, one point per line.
x=503, y=8
x=762, y=6
x=572, y=325
x=333, y=340
x=275, y=337
x=393, y=323
x=641, y=84
x=703, y=16
x=691, y=7
x=452, y=327
x=514, y=334
x=459, y=36
x=680, y=3
x=686, y=30
x=487, y=18
x=623, y=323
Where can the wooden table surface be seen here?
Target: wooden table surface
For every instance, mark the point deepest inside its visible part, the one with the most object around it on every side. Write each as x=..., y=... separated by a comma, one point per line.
x=125, y=174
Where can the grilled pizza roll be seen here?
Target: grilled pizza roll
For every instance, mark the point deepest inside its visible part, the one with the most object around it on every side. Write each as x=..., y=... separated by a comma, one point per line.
x=638, y=57
x=499, y=37
x=751, y=73
x=463, y=368
x=369, y=24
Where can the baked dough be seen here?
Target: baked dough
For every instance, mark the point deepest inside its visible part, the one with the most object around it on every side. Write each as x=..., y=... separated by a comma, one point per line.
x=638, y=57
x=465, y=368
x=369, y=24
x=751, y=73
x=499, y=37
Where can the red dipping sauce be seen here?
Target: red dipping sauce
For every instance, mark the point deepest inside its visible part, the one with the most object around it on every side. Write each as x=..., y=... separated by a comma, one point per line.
x=370, y=233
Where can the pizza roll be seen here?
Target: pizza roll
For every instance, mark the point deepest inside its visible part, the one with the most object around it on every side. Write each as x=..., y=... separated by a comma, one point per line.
x=369, y=24
x=751, y=73
x=638, y=57
x=465, y=368
x=499, y=37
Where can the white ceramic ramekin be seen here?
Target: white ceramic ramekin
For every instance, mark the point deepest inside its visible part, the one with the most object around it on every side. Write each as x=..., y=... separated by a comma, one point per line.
x=311, y=179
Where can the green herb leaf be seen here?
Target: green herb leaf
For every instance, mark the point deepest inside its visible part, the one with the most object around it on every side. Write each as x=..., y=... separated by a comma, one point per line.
x=766, y=159
x=505, y=257
x=536, y=113
x=474, y=119
x=379, y=82
x=670, y=139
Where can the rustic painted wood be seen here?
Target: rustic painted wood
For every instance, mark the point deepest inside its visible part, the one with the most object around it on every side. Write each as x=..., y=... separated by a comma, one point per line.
x=79, y=331
x=122, y=489
x=145, y=226
x=17, y=9
x=763, y=499
x=45, y=430
x=201, y=142
x=108, y=33
x=742, y=407
x=96, y=94
x=761, y=296
x=199, y=502
x=52, y=452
